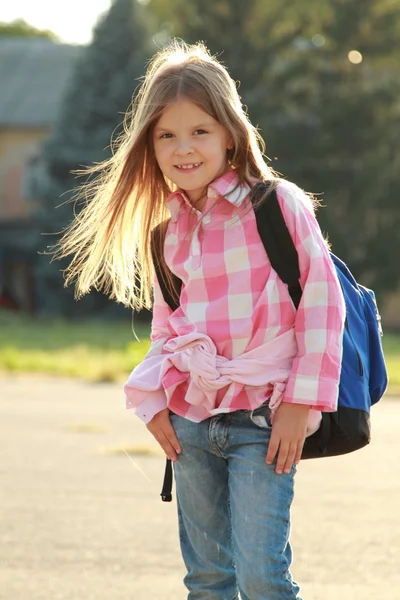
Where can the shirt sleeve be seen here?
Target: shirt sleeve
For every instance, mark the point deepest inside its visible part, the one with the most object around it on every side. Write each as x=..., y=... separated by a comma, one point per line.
x=143, y=392
x=319, y=320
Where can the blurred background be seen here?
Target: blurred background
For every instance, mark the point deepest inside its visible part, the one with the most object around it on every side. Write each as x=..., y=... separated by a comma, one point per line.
x=79, y=475
x=320, y=79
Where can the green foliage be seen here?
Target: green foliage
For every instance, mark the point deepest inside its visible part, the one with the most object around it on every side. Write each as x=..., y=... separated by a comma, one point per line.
x=342, y=141
x=99, y=351
x=20, y=28
x=91, y=115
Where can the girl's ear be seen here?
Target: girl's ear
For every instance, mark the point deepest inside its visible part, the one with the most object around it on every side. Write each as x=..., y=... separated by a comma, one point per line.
x=228, y=139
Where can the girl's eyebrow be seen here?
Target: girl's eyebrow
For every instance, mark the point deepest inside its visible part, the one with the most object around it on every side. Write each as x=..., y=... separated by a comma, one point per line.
x=200, y=126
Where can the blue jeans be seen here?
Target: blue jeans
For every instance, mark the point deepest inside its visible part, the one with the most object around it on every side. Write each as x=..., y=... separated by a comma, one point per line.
x=233, y=509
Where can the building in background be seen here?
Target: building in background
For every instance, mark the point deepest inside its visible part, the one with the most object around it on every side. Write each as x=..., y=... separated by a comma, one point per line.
x=34, y=73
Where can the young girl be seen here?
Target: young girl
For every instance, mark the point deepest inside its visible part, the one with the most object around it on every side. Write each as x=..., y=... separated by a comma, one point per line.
x=235, y=377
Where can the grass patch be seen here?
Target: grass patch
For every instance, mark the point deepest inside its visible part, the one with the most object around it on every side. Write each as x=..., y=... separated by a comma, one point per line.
x=100, y=351
x=391, y=347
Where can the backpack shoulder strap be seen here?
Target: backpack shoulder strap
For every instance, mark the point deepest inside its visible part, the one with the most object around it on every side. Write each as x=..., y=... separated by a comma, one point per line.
x=278, y=242
x=171, y=298
x=170, y=292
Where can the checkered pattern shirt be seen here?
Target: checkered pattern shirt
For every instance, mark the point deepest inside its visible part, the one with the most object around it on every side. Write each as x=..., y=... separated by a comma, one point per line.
x=231, y=293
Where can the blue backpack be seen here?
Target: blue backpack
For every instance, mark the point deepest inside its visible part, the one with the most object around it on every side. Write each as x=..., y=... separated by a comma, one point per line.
x=363, y=378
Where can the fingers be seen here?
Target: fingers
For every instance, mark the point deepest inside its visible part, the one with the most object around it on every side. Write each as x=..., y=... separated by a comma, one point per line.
x=288, y=454
x=161, y=428
x=287, y=436
x=169, y=444
x=285, y=462
x=272, y=448
x=298, y=453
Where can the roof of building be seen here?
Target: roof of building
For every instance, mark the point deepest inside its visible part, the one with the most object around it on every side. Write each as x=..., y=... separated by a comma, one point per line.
x=34, y=73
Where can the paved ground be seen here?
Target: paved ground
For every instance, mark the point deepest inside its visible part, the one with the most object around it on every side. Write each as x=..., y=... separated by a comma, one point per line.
x=80, y=521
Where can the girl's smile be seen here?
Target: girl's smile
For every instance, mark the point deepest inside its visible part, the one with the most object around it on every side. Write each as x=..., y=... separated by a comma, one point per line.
x=189, y=168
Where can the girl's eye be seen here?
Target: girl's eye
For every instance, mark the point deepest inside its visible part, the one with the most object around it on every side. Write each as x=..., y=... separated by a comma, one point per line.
x=165, y=136
x=200, y=132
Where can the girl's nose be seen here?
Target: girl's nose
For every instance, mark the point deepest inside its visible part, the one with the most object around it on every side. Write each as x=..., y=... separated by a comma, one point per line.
x=184, y=147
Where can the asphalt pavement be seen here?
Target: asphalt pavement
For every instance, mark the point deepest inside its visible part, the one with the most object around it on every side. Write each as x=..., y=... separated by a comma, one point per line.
x=81, y=516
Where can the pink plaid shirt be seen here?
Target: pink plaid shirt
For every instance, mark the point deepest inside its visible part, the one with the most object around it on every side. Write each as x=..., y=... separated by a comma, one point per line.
x=233, y=308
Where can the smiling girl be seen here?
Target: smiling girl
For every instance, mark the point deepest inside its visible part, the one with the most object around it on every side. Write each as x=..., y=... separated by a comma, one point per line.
x=235, y=376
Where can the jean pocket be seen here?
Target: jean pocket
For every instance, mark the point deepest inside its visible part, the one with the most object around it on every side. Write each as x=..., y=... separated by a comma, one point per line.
x=261, y=416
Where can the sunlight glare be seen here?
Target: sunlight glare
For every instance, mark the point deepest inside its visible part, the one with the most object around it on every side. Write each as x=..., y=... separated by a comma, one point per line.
x=72, y=21
x=355, y=57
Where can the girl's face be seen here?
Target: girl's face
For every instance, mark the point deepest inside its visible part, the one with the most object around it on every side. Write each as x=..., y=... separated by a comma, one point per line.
x=190, y=148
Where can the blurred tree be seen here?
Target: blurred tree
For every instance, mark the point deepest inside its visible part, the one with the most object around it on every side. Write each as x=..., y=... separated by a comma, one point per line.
x=340, y=93
x=99, y=93
x=249, y=37
x=332, y=121
x=20, y=28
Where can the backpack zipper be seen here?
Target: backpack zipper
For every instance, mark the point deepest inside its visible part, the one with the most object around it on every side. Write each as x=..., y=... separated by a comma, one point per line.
x=360, y=365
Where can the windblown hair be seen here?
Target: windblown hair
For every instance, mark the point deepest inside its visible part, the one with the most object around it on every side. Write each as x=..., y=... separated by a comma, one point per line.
x=109, y=239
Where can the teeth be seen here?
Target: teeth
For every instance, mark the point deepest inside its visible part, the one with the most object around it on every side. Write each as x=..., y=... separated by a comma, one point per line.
x=188, y=166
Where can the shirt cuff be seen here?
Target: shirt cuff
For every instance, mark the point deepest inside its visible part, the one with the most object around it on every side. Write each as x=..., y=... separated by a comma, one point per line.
x=153, y=403
x=316, y=392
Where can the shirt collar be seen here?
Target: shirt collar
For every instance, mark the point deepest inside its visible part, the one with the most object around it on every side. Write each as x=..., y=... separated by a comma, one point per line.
x=227, y=186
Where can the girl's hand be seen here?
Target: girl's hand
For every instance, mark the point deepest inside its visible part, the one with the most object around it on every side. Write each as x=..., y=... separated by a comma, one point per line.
x=289, y=429
x=160, y=427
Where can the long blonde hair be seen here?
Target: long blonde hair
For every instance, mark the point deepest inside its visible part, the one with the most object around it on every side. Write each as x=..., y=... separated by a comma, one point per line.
x=109, y=239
